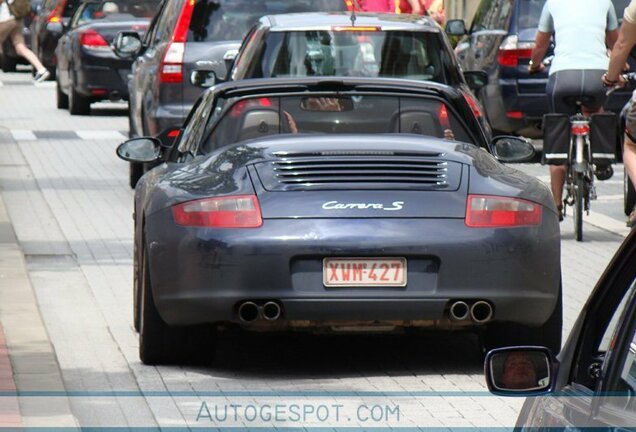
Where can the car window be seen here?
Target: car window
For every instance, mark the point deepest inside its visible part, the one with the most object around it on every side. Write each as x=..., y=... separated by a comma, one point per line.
x=165, y=23
x=529, y=13
x=120, y=10
x=249, y=118
x=231, y=19
x=195, y=124
x=70, y=7
x=397, y=54
x=610, y=330
x=492, y=15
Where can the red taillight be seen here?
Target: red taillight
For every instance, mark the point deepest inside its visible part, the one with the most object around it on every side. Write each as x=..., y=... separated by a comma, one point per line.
x=443, y=117
x=484, y=211
x=511, y=50
x=580, y=128
x=93, y=40
x=173, y=133
x=171, y=69
x=517, y=115
x=241, y=105
x=356, y=28
x=224, y=212
x=474, y=106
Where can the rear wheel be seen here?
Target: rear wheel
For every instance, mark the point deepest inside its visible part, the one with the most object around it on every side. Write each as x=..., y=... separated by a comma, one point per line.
x=579, y=194
x=162, y=344
x=509, y=334
x=77, y=104
x=629, y=194
x=61, y=97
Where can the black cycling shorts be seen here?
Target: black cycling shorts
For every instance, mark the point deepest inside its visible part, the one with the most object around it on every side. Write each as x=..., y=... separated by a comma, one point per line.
x=568, y=84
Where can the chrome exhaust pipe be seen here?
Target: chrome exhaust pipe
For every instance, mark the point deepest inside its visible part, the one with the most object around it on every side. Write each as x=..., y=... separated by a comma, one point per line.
x=459, y=311
x=271, y=311
x=248, y=312
x=481, y=312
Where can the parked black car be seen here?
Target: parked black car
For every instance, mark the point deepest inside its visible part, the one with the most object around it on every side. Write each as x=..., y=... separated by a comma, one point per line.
x=47, y=28
x=262, y=162
x=87, y=68
x=500, y=42
x=9, y=58
x=592, y=383
x=183, y=37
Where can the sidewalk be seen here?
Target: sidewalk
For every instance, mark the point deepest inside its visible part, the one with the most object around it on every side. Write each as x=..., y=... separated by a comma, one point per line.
x=27, y=359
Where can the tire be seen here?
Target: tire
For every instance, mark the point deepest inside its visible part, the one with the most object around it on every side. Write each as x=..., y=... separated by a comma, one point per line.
x=61, y=97
x=579, y=190
x=135, y=171
x=9, y=64
x=162, y=344
x=77, y=104
x=629, y=194
x=510, y=334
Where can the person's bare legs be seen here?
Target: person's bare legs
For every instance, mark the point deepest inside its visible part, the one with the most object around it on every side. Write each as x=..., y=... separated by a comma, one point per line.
x=557, y=180
x=21, y=49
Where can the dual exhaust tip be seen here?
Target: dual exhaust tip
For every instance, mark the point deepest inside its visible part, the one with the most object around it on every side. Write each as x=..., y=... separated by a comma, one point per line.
x=249, y=311
x=479, y=312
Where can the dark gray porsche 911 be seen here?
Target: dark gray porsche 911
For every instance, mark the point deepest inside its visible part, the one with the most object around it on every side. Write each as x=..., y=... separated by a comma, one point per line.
x=334, y=204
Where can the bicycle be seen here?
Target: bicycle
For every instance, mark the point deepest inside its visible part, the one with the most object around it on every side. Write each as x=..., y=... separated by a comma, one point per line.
x=579, y=179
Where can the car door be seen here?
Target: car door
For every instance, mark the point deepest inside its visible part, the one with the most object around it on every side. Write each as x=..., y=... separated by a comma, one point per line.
x=595, y=353
x=487, y=31
x=617, y=407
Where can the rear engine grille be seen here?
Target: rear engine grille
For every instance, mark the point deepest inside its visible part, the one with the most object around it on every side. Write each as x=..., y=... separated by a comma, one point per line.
x=360, y=172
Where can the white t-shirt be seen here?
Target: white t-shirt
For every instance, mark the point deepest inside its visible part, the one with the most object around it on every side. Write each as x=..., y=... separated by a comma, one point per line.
x=579, y=28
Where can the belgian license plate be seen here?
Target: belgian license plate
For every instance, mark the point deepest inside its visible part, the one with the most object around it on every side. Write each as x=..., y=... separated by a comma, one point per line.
x=353, y=272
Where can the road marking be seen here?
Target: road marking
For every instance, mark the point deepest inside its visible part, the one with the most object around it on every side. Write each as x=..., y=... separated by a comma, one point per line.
x=97, y=135
x=23, y=135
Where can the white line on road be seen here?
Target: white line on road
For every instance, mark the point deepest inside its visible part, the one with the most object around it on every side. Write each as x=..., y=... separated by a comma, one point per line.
x=23, y=135
x=97, y=135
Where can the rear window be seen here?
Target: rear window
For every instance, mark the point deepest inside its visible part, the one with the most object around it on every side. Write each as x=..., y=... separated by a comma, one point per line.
x=397, y=54
x=328, y=114
x=231, y=19
x=115, y=10
x=529, y=13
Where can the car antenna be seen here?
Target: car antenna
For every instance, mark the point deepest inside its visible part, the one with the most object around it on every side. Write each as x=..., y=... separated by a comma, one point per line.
x=355, y=4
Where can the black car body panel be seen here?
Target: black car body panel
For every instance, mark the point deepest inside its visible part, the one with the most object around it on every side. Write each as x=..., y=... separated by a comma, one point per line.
x=96, y=72
x=201, y=275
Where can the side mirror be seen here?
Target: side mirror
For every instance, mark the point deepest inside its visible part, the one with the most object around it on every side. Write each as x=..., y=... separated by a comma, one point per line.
x=55, y=28
x=455, y=27
x=140, y=150
x=513, y=371
x=512, y=149
x=476, y=80
x=127, y=44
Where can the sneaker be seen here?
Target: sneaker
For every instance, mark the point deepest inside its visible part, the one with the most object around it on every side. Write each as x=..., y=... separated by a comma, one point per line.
x=42, y=76
x=631, y=219
x=604, y=172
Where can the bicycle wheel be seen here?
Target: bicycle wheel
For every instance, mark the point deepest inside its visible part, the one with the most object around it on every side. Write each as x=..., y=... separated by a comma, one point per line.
x=579, y=194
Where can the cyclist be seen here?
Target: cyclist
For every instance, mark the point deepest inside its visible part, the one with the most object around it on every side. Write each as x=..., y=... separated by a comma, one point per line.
x=624, y=44
x=583, y=30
